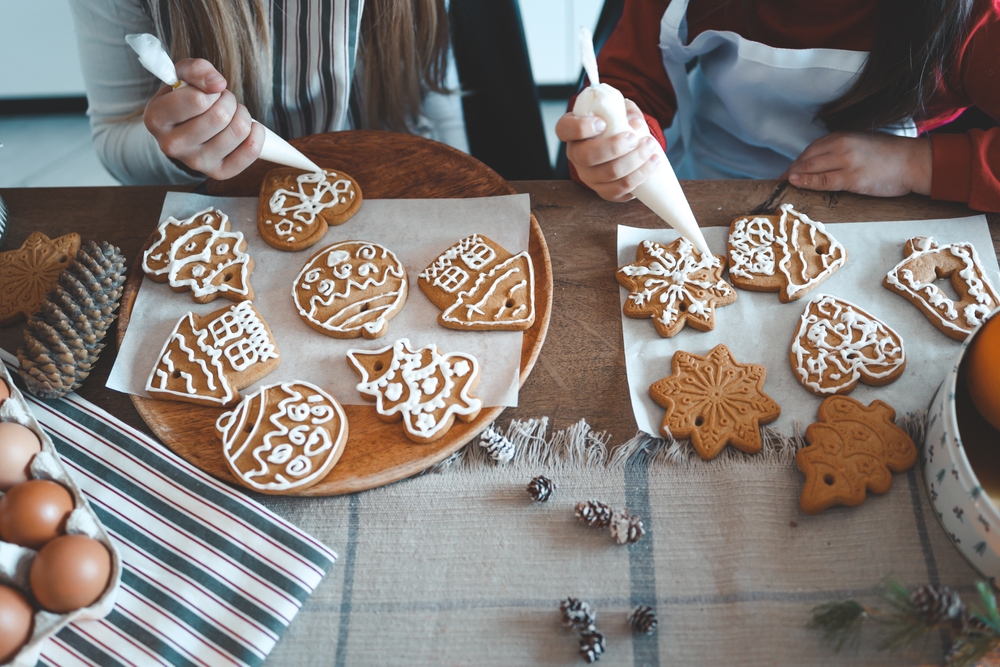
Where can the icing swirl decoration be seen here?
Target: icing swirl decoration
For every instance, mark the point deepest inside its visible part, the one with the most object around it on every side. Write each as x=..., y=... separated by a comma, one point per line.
x=838, y=344
x=296, y=208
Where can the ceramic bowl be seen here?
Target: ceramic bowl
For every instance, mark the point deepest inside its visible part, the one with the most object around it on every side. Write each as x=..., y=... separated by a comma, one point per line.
x=967, y=513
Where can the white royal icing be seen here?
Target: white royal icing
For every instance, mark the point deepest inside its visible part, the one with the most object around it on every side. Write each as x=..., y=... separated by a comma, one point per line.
x=464, y=313
x=297, y=210
x=844, y=343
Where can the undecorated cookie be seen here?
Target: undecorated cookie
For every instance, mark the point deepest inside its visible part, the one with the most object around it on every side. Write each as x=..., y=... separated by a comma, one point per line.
x=28, y=273
x=296, y=207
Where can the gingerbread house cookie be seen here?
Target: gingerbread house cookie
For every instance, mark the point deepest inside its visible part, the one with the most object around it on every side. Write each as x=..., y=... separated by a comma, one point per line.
x=201, y=254
x=838, y=345
x=675, y=285
x=914, y=279
x=284, y=437
x=206, y=360
x=351, y=289
x=787, y=253
x=424, y=387
x=296, y=207
x=480, y=286
x=28, y=273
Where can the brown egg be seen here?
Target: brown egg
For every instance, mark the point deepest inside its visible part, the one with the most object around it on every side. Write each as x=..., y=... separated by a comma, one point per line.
x=4, y=391
x=70, y=572
x=34, y=512
x=16, y=621
x=18, y=445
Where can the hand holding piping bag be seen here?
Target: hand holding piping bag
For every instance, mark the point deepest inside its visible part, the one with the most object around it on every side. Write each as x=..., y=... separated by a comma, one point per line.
x=221, y=144
x=660, y=192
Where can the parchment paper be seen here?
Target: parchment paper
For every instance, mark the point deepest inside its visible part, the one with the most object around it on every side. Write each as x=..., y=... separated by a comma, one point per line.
x=417, y=230
x=758, y=328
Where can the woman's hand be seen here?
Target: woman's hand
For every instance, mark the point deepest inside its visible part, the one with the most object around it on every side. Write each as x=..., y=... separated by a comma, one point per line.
x=879, y=164
x=202, y=125
x=610, y=166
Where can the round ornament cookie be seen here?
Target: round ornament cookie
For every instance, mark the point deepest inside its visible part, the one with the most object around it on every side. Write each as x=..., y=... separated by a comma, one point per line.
x=296, y=207
x=351, y=289
x=285, y=437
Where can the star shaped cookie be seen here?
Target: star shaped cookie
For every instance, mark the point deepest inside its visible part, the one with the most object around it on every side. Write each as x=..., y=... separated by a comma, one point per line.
x=715, y=401
x=674, y=285
x=28, y=273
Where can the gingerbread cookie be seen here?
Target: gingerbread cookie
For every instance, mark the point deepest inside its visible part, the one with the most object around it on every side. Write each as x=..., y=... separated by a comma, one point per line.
x=206, y=360
x=788, y=253
x=480, y=286
x=851, y=448
x=715, y=401
x=675, y=285
x=351, y=289
x=914, y=279
x=297, y=207
x=283, y=437
x=837, y=345
x=201, y=254
x=28, y=273
x=425, y=388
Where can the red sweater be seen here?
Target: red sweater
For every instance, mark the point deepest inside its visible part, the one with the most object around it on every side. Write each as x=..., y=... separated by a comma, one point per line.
x=966, y=167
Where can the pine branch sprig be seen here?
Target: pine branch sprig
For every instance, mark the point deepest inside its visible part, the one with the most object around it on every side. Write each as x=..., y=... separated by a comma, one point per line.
x=840, y=622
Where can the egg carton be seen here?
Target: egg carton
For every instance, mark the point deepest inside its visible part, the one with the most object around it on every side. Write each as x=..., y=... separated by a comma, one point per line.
x=15, y=561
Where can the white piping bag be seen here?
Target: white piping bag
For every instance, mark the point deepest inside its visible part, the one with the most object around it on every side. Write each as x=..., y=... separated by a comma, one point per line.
x=660, y=192
x=155, y=59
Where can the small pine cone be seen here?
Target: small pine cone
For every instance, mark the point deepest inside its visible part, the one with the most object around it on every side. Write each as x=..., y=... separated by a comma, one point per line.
x=591, y=644
x=939, y=605
x=540, y=488
x=496, y=444
x=577, y=614
x=626, y=528
x=643, y=620
x=594, y=513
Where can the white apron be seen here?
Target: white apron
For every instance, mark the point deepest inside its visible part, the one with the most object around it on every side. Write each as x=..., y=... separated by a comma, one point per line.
x=745, y=110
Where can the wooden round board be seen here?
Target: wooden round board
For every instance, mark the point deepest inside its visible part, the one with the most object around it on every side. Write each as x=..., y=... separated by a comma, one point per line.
x=387, y=166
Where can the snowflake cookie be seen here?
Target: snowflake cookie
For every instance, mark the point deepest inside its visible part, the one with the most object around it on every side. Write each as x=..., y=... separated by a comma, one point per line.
x=675, y=285
x=28, y=273
x=297, y=207
x=424, y=387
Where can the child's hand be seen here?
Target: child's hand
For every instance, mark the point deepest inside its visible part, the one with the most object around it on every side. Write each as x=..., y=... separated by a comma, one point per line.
x=610, y=166
x=878, y=164
x=202, y=125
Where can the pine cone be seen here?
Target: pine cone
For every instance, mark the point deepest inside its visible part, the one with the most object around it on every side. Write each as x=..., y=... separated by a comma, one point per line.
x=499, y=448
x=643, y=620
x=939, y=605
x=594, y=513
x=626, y=528
x=577, y=614
x=63, y=341
x=540, y=488
x=591, y=644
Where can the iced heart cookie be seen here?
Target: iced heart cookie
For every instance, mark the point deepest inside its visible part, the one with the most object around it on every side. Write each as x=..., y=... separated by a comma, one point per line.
x=837, y=345
x=674, y=285
x=914, y=279
x=425, y=388
x=851, y=448
x=715, y=401
x=297, y=207
x=788, y=253
x=351, y=289
x=201, y=254
x=28, y=273
x=480, y=286
x=283, y=437
x=206, y=360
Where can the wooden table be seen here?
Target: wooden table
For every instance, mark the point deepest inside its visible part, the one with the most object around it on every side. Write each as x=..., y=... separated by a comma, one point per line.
x=581, y=370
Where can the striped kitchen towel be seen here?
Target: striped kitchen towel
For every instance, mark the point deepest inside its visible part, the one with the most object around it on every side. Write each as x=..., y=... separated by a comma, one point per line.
x=209, y=576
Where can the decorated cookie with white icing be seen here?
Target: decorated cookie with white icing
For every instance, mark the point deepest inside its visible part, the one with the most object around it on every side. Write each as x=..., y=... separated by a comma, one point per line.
x=284, y=437
x=480, y=286
x=674, y=285
x=787, y=253
x=914, y=279
x=201, y=254
x=207, y=360
x=351, y=289
x=425, y=388
x=297, y=207
x=838, y=345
